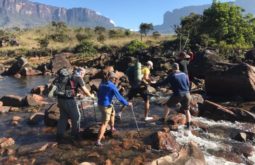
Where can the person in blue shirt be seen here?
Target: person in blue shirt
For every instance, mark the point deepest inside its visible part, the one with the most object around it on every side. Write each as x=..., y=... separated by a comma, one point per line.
x=179, y=82
x=107, y=90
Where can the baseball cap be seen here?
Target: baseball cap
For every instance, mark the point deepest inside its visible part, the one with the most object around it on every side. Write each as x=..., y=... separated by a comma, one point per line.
x=150, y=63
x=175, y=66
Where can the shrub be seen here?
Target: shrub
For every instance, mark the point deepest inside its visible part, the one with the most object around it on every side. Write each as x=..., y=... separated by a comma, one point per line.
x=85, y=48
x=135, y=46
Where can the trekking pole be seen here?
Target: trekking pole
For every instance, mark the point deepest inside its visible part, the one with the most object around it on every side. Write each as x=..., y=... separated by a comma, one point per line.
x=94, y=109
x=138, y=130
x=82, y=110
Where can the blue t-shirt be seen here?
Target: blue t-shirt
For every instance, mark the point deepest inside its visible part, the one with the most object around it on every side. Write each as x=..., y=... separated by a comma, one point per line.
x=106, y=92
x=178, y=81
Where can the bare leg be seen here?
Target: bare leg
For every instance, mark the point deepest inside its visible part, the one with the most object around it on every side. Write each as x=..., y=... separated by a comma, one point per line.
x=112, y=119
x=146, y=108
x=102, y=131
x=188, y=116
x=166, y=112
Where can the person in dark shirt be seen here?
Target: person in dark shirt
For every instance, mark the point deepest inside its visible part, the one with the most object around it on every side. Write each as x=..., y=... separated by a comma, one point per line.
x=183, y=62
x=105, y=94
x=69, y=108
x=179, y=82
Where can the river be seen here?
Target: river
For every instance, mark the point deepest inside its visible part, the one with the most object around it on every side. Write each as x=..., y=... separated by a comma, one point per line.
x=214, y=143
x=20, y=86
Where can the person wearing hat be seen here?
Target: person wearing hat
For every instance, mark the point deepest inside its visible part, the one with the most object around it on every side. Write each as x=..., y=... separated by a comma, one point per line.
x=179, y=82
x=183, y=61
x=105, y=94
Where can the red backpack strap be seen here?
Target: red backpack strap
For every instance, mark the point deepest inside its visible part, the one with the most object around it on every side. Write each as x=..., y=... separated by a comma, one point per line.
x=72, y=83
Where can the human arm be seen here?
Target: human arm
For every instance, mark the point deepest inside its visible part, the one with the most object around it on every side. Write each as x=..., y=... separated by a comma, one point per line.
x=118, y=95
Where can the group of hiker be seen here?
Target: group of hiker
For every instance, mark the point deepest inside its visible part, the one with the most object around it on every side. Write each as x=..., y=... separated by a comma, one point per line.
x=69, y=85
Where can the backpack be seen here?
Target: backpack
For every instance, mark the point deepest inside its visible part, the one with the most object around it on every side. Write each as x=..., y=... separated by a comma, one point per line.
x=64, y=84
x=134, y=73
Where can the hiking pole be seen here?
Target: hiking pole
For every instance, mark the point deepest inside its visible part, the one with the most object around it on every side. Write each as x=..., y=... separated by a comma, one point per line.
x=138, y=130
x=94, y=109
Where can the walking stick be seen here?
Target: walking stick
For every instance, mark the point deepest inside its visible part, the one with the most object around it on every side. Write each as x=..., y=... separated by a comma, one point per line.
x=138, y=130
x=94, y=109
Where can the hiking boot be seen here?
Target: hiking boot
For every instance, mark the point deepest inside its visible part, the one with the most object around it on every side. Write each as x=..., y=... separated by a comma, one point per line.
x=147, y=118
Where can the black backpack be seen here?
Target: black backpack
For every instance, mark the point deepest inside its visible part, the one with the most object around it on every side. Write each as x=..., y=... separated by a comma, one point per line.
x=64, y=83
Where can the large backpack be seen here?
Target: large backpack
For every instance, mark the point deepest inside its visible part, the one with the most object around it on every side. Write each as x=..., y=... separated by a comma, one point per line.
x=134, y=73
x=64, y=84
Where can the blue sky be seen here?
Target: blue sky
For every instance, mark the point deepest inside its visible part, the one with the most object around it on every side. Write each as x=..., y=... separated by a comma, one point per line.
x=129, y=13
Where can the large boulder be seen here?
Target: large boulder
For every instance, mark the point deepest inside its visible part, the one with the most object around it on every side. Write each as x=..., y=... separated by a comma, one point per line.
x=51, y=115
x=229, y=80
x=59, y=61
x=29, y=71
x=16, y=66
x=164, y=140
x=12, y=100
x=203, y=62
x=218, y=112
x=188, y=155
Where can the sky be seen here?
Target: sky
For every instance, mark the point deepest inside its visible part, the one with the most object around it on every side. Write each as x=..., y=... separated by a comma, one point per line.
x=129, y=13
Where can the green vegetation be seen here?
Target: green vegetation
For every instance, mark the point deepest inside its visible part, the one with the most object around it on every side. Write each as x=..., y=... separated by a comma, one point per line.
x=222, y=26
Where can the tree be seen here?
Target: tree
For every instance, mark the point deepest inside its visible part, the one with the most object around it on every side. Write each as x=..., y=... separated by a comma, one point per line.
x=145, y=28
x=223, y=24
x=156, y=34
x=99, y=29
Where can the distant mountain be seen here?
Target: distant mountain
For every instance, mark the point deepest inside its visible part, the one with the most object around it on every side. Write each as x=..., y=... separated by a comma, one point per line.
x=174, y=17
x=24, y=13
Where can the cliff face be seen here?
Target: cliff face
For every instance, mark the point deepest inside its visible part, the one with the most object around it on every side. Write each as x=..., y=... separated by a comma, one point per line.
x=174, y=17
x=24, y=13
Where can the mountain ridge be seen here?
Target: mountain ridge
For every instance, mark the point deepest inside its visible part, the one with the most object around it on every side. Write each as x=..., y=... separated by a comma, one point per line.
x=172, y=18
x=25, y=14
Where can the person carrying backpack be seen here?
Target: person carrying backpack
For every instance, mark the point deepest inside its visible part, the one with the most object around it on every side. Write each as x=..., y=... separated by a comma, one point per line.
x=179, y=82
x=139, y=78
x=105, y=94
x=67, y=86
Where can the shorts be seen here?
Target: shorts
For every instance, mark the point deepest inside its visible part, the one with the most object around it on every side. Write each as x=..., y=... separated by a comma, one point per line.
x=140, y=90
x=184, y=99
x=107, y=113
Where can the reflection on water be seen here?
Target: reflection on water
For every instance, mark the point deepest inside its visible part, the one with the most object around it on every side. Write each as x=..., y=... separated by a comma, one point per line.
x=22, y=86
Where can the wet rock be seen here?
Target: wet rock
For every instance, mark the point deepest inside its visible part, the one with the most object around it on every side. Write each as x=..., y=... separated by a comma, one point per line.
x=60, y=61
x=17, y=75
x=231, y=80
x=4, y=109
x=36, y=118
x=35, y=148
x=87, y=163
x=51, y=115
x=94, y=154
x=6, y=142
x=243, y=148
x=12, y=100
x=178, y=119
x=164, y=140
x=128, y=144
x=34, y=100
x=218, y=112
x=16, y=120
x=39, y=90
x=241, y=137
x=16, y=66
x=189, y=155
x=28, y=71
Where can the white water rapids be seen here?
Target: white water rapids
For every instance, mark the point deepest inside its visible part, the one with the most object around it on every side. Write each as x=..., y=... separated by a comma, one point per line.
x=211, y=142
